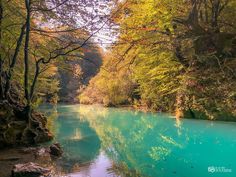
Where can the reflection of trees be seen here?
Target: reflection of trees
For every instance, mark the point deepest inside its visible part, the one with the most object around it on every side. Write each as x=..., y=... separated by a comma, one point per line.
x=140, y=144
x=136, y=140
x=51, y=113
x=121, y=169
x=80, y=142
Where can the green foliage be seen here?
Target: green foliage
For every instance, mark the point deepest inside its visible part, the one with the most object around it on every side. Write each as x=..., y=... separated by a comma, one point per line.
x=47, y=49
x=108, y=88
x=178, y=57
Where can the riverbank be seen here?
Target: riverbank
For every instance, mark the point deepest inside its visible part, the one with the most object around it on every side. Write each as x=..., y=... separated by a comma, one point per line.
x=19, y=155
x=21, y=138
x=41, y=157
x=16, y=129
x=188, y=114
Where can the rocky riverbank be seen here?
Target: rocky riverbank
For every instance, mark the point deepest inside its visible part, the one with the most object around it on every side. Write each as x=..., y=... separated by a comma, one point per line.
x=30, y=162
x=17, y=136
x=16, y=130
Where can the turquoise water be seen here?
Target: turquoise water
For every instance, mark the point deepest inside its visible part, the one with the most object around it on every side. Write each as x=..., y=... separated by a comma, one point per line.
x=103, y=142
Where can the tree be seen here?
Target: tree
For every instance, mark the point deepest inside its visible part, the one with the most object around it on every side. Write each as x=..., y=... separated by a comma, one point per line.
x=44, y=44
x=180, y=54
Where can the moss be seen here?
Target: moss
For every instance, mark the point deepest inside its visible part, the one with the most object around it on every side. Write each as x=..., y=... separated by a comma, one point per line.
x=15, y=130
x=225, y=116
x=10, y=136
x=194, y=114
x=218, y=115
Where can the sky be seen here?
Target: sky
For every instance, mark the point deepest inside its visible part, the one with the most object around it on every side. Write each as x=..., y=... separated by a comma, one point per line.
x=90, y=15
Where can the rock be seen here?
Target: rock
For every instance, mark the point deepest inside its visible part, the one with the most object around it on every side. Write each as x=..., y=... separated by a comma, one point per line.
x=15, y=128
x=43, y=135
x=30, y=170
x=10, y=159
x=42, y=154
x=56, y=150
x=28, y=150
x=18, y=124
x=41, y=151
x=40, y=118
x=28, y=136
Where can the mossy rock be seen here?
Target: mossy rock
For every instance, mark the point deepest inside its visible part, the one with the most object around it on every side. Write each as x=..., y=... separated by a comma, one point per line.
x=18, y=125
x=194, y=114
x=16, y=130
x=6, y=112
x=28, y=136
x=218, y=115
x=10, y=136
x=225, y=116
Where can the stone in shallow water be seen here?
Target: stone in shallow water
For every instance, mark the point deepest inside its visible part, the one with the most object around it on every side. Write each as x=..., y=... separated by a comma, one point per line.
x=30, y=170
x=43, y=155
x=56, y=150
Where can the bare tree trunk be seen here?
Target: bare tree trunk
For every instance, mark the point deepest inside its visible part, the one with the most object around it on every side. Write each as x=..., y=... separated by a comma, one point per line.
x=1, y=61
x=13, y=62
x=215, y=14
x=193, y=15
x=26, y=59
x=36, y=75
x=206, y=12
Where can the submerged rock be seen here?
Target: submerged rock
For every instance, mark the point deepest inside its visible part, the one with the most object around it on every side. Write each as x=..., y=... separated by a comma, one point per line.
x=30, y=170
x=56, y=150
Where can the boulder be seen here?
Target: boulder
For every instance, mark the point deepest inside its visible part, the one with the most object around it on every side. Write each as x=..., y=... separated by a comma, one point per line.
x=42, y=152
x=43, y=155
x=56, y=150
x=30, y=170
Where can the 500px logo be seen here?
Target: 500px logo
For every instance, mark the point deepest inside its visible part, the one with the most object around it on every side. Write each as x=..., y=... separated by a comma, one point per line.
x=213, y=169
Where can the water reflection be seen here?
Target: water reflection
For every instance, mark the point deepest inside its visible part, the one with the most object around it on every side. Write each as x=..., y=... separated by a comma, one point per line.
x=79, y=141
x=130, y=143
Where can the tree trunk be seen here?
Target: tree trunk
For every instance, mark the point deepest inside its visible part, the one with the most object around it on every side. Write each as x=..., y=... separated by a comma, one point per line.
x=35, y=79
x=13, y=62
x=205, y=9
x=1, y=61
x=215, y=14
x=26, y=59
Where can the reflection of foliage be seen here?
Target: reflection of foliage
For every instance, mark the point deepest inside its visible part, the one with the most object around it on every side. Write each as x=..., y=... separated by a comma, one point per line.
x=158, y=153
x=51, y=120
x=52, y=115
x=169, y=140
x=79, y=141
x=122, y=170
x=139, y=144
x=131, y=138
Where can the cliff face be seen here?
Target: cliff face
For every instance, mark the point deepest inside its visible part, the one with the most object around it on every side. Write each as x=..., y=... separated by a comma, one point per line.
x=78, y=74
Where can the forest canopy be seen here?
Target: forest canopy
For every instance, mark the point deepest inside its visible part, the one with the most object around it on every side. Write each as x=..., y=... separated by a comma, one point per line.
x=176, y=56
x=39, y=36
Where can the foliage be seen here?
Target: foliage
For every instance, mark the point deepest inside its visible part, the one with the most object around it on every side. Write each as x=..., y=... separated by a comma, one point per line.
x=108, y=88
x=39, y=36
x=180, y=55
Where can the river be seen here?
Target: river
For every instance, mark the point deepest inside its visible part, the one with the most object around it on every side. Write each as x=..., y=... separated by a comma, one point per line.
x=104, y=142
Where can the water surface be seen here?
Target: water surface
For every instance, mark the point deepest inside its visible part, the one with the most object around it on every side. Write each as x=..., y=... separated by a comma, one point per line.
x=103, y=142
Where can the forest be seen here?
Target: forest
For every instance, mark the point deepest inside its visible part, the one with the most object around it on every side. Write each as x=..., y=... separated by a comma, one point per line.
x=178, y=56
x=173, y=56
